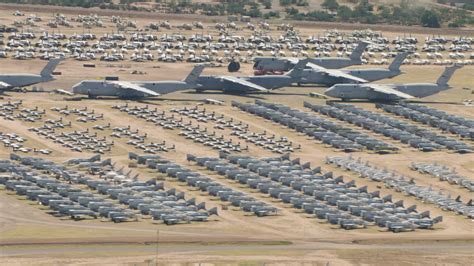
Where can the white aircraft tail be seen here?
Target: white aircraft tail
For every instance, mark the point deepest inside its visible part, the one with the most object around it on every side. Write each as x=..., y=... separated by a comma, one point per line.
x=446, y=76
x=397, y=62
x=357, y=53
x=195, y=73
x=48, y=70
x=297, y=70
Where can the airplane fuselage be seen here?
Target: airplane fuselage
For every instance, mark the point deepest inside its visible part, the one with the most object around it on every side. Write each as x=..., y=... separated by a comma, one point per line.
x=271, y=82
x=22, y=80
x=286, y=64
x=217, y=83
x=373, y=74
x=420, y=90
x=311, y=76
x=361, y=92
x=164, y=87
x=97, y=88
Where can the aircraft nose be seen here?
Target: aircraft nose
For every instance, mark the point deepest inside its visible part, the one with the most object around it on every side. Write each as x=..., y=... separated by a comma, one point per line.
x=77, y=88
x=331, y=91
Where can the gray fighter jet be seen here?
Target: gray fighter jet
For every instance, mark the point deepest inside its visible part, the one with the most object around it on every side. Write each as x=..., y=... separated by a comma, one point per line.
x=136, y=89
x=272, y=64
x=391, y=92
x=15, y=80
x=242, y=85
x=314, y=74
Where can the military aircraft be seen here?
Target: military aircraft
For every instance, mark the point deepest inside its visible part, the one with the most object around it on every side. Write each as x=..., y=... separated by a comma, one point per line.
x=314, y=74
x=392, y=92
x=247, y=84
x=136, y=89
x=15, y=80
x=275, y=64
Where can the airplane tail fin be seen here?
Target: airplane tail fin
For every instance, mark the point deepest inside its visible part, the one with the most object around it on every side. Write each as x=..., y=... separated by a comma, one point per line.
x=397, y=62
x=447, y=74
x=357, y=53
x=47, y=71
x=297, y=71
x=195, y=73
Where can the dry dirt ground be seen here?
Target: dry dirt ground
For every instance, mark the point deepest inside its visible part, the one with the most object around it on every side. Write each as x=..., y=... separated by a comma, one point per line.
x=29, y=236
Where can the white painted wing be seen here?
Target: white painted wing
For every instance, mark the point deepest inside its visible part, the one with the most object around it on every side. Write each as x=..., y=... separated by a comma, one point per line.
x=293, y=60
x=387, y=90
x=244, y=83
x=4, y=85
x=340, y=74
x=336, y=73
x=130, y=86
x=315, y=67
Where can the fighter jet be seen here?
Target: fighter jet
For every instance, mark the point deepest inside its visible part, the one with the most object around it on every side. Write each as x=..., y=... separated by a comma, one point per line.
x=272, y=64
x=14, y=80
x=392, y=92
x=136, y=89
x=314, y=74
x=265, y=83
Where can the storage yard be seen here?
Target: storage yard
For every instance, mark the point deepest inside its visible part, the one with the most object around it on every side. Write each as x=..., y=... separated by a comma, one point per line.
x=285, y=177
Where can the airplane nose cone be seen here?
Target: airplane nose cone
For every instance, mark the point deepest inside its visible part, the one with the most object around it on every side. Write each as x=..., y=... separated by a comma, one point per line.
x=331, y=92
x=77, y=88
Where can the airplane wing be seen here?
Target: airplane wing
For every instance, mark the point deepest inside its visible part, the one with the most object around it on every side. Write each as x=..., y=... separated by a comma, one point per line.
x=315, y=67
x=244, y=83
x=134, y=87
x=293, y=60
x=336, y=73
x=387, y=90
x=4, y=85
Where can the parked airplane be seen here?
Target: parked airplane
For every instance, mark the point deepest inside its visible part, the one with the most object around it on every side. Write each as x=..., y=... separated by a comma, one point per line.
x=272, y=64
x=251, y=83
x=314, y=74
x=14, y=80
x=137, y=89
x=392, y=92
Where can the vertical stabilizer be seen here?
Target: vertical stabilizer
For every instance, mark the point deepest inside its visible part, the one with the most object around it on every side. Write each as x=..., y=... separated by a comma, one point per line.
x=47, y=71
x=297, y=71
x=195, y=73
x=447, y=74
x=397, y=62
x=357, y=53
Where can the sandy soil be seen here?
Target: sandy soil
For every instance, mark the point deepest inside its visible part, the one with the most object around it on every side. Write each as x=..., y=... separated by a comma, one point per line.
x=29, y=236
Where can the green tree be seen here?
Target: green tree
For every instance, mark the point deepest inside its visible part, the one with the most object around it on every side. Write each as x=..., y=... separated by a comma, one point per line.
x=291, y=11
x=344, y=13
x=468, y=6
x=430, y=19
x=267, y=4
x=330, y=4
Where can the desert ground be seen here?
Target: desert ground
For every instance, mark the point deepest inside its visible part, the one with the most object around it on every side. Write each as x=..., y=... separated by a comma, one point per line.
x=30, y=236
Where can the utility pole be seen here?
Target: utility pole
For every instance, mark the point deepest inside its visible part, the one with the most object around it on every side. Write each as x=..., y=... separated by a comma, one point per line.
x=157, y=245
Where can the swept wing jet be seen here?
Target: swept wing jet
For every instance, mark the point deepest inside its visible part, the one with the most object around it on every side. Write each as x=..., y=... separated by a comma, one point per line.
x=14, y=80
x=314, y=74
x=392, y=92
x=137, y=89
x=273, y=64
x=265, y=83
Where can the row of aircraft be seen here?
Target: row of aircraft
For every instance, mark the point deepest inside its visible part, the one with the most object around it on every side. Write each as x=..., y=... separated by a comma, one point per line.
x=345, y=84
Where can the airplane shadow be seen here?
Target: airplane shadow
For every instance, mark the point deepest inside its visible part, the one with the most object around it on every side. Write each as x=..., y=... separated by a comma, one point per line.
x=432, y=102
x=258, y=95
x=248, y=95
x=391, y=102
x=287, y=94
x=147, y=100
